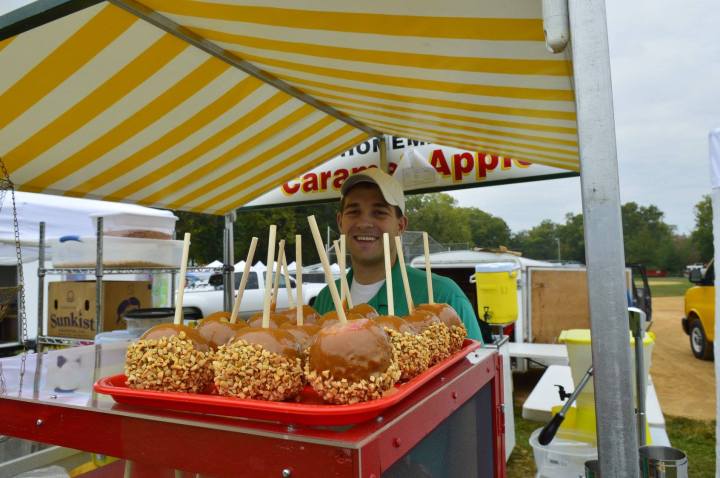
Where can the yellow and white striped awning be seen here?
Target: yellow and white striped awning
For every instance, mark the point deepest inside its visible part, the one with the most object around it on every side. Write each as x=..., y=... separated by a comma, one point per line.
x=151, y=102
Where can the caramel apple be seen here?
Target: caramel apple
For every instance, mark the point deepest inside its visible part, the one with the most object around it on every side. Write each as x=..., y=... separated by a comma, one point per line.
x=217, y=329
x=303, y=334
x=170, y=330
x=437, y=334
x=351, y=362
x=259, y=363
x=412, y=352
x=450, y=318
x=366, y=310
x=219, y=314
x=331, y=317
x=169, y=357
x=310, y=315
x=276, y=320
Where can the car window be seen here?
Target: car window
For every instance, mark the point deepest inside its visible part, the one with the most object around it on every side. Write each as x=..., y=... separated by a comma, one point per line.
x=252, y=282
x=282, y=279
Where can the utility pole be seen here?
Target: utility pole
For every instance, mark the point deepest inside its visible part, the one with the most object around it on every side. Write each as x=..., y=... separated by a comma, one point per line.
x=557, y=239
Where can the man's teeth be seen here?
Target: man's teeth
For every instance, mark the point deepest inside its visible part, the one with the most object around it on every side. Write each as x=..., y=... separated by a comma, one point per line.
x=366, y=238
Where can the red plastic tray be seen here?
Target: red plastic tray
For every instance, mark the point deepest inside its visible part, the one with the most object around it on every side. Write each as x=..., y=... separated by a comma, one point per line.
x=309, y=410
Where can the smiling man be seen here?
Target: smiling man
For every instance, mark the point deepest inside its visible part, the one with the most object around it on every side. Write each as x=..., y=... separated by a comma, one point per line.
x=372, y=202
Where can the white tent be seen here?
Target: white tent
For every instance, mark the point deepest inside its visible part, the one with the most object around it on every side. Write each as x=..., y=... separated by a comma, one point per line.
x=714, y=139
x=217, y=263
x=62, y=216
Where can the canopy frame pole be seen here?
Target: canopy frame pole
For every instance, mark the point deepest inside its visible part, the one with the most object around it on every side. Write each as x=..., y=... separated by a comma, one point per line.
x=229, y=260
x=164, y=23
x=383, y=149
x=613, y=382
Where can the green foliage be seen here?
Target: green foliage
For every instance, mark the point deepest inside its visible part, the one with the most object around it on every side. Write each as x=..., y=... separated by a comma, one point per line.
x=439, y=215
x=540, y=242
x=648, y=239
x=206, y=243
x=702, y=235
x=207, y=231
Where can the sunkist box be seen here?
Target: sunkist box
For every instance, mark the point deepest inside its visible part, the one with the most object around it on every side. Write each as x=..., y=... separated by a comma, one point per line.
x=71, y=306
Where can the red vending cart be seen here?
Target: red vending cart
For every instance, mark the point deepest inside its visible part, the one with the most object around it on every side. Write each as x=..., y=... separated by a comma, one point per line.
x=451, y=426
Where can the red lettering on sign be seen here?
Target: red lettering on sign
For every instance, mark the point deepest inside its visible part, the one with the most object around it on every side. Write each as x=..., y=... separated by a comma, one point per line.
x=290, y=188
x=505, y=163
x=521, y=164
x=439, y=162
x=485, y=163
x=324, y=176
x=462, y=164
x=310, y=183
x=340, y=177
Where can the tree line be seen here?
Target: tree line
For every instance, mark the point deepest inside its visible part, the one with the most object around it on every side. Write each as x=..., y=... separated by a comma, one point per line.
x=648, y=238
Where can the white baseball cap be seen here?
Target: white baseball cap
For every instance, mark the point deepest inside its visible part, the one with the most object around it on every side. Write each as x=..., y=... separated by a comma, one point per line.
x=389, y=187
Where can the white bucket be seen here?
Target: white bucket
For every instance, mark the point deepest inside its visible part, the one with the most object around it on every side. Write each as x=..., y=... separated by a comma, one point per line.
x=561, y=458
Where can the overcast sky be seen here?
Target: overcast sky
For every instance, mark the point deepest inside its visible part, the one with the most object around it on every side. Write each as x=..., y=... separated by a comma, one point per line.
x=665, y=60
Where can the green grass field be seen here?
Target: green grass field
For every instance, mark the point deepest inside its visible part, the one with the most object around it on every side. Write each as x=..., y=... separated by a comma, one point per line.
x=694, y=437
x=668, y=286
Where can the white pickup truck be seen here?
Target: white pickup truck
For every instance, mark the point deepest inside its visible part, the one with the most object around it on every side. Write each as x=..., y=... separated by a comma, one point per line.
x=210, y=299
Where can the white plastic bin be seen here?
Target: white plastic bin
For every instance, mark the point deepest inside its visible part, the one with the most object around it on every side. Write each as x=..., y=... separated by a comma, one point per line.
x=139, y=226
x=118, y=252
x=561, y=458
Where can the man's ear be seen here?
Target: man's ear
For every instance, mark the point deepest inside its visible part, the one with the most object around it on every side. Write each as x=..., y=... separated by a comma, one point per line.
x=402, y=223
x=338, y=219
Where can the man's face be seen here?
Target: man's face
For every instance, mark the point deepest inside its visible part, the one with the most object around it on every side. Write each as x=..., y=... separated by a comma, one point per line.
x=364, y=218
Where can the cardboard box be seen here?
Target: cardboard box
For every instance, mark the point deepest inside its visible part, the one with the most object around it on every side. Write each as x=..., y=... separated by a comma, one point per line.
x=71, y=306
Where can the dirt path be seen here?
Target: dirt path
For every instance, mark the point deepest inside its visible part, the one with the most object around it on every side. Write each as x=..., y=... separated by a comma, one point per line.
x=684, y=384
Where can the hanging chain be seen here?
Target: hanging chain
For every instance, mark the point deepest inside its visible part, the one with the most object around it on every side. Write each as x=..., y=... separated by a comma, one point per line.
x=7, y=184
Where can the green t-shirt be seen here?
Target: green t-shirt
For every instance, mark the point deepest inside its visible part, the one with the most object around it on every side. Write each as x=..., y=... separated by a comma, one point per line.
x=445, y=291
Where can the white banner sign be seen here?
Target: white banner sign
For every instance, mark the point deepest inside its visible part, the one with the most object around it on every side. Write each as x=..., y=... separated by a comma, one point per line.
x=420, y=167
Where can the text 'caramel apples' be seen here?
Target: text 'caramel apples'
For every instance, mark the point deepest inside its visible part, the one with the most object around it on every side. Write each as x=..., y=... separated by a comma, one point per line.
x=351, y=362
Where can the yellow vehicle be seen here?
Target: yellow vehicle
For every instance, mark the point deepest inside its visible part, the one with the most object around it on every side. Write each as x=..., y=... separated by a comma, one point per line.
x=699, y=320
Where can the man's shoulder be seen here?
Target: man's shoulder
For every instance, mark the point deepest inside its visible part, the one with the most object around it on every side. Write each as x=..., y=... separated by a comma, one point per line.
x=445, y=283
x=323, y=301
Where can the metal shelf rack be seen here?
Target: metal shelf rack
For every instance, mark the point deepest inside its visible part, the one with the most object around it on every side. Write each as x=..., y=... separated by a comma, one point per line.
x=98, y=271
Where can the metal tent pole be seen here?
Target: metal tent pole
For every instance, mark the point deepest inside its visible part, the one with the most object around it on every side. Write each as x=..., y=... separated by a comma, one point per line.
x=229, y=260
x=614, y=408
x=383, y=153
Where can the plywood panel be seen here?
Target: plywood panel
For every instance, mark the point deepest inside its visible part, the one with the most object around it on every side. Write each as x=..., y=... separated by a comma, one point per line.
x=559, y=301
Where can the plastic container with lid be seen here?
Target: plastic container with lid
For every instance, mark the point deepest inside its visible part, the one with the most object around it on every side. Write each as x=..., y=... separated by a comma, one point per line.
x=578, y=343
x=561, y=458
x=497, y=298
x=138, y=226
x=118, y=252
x=140, y=320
